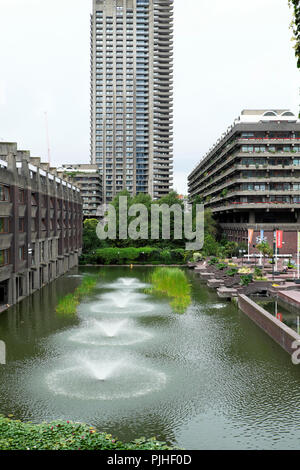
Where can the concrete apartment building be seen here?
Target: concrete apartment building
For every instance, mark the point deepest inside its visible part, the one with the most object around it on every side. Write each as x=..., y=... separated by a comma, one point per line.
x=40, y=224
x=89, y=181
x=132, y=95
x=250, y=179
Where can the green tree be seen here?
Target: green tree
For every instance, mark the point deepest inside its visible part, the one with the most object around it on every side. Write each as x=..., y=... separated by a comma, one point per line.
x=295, y=27
x=170, y=199
x=89, y=236
x=265, y=249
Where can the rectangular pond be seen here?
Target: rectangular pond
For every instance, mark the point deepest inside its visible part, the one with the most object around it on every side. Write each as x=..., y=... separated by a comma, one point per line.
x=126, y=363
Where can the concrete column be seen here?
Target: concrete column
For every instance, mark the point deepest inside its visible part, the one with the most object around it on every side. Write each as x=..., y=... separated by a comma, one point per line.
x=251, y=217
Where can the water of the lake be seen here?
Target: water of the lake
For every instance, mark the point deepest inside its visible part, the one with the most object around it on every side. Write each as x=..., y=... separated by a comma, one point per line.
x=207, y=379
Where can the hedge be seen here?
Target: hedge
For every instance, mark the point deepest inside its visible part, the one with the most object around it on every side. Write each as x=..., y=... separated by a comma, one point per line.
x=131, y=255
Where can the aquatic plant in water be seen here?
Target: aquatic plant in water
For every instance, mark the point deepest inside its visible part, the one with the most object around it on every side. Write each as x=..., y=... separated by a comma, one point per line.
x=173, y=283
x=69, y=303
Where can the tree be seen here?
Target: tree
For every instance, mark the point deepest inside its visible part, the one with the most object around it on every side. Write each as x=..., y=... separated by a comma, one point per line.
x=265, y=249
x=295, y=27
x=89, y=236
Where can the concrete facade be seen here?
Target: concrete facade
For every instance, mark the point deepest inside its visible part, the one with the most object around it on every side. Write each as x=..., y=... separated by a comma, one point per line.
x=132, y=95
x=251, y=178
x=40, y=224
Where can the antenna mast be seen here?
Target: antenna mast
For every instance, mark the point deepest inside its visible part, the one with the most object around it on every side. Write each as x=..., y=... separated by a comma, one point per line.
x=47, y=134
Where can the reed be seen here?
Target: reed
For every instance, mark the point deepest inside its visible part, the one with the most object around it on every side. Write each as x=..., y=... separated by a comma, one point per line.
x=173, y=283
x=68, y=305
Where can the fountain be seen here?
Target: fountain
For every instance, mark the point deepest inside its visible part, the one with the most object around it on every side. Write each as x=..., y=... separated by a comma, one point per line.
x=109, y=332
x=128, y=281
x=123, y=302
x=103, y=377
x=101, y=370
x=109, y=328
x=100, y=373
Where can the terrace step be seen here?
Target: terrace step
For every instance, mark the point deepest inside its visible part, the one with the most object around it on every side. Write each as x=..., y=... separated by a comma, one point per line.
x=227, y=292
x=215, y=282
x=206, y=275
x=200, y=268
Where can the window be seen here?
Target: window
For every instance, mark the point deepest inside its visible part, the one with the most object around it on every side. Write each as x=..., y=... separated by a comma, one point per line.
x=21, y=196
x=4, y=193
x=21, y=253
x=33, y=199
x=4, y=225
x=4, y=257
x=21, y=224
x=247, y=148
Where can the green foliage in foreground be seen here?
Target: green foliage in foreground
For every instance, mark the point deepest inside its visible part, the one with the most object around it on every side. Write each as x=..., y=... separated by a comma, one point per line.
x=173, y=283
x=68, y=304
x=131, y=255
x=295, y=26
x=58, y=435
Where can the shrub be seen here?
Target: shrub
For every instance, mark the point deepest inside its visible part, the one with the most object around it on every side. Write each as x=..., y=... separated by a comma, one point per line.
x=232, y=272
x=246, y=279
x=245, y=271
x=221, y=266
x=197, y=257
x=131, y=255
x=213, y=261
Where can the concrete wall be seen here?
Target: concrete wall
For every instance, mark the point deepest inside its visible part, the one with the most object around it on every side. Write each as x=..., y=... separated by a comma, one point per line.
x=282, y=334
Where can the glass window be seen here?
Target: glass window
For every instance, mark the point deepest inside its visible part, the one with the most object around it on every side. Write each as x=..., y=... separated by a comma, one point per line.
x=4, y=225
x=4, y=193
x=4, y=257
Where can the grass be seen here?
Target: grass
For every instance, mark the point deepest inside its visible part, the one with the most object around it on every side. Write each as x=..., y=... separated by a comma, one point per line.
x=68, y=304
x=65, y=435
x=173, y=283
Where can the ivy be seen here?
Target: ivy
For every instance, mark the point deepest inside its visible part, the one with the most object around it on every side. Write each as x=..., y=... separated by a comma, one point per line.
x=295, y=27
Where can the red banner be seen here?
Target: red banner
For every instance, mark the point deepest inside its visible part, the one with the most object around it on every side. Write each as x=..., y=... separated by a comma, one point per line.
x=250, y=235
x=279, y=236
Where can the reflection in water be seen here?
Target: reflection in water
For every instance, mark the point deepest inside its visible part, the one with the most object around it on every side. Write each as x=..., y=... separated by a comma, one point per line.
x=288, y=314
x=208, y=379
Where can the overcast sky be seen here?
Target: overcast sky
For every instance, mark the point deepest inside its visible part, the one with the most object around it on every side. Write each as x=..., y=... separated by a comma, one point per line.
x=228, y=56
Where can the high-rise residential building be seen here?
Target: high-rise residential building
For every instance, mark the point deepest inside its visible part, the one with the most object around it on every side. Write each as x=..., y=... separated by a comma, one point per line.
x=131, y=95
x=250, y=179
x=89, y=181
